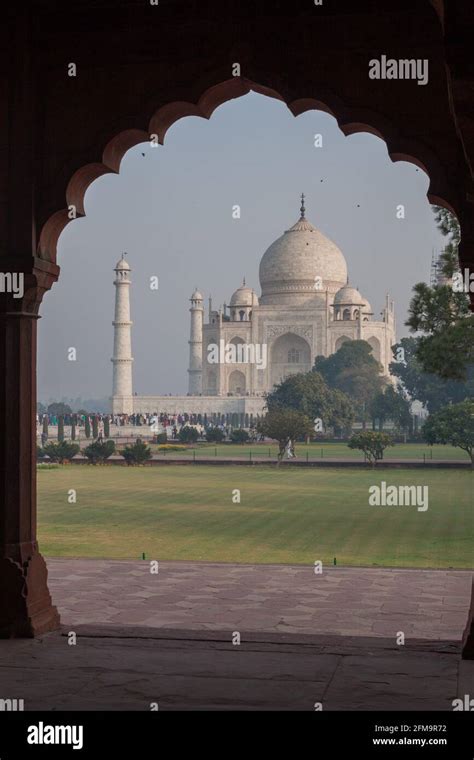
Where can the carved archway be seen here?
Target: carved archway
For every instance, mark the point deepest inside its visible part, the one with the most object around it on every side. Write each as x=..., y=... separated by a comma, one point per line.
x=350, y=121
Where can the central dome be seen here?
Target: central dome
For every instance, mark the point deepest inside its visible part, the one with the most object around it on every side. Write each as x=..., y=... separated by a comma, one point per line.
x=299, y=264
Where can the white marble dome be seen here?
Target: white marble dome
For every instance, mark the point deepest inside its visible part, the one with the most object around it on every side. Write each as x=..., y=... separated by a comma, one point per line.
x=291, y=265
x=244, y=296
x=197, y=295
x=122, y=264
x=348, y=296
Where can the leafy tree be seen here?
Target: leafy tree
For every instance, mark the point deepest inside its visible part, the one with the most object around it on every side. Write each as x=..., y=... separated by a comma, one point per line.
x=57, y=408
x=87, y=427
x=107, y=426
x=454, y=425
x=372, y=444
x=73, y=430
x=284, y=426
x=98, y=451
x=61, y=452
x=40, y=408
x=308, y=393
x=95, y=426
x=391, y=404
x=239, y=435
x=138, y=453
x=45, y=426
x=431, y=390
x=215, y=435
x=353, y=370
x=441, y=313
x=188, y=434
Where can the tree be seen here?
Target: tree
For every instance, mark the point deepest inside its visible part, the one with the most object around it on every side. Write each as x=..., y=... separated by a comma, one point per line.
x=454, y=425
x=284, y=426
x=87, y=427
x=188, y=434
x=353, y=370
x=45, y=426
x=441, y=312
x=432, y=391
x=95, y=426
x=215, y=435
x=138, y=453
x=40, y=408
x=239, y=435
x=308, y=393
x=98, y=451
x=391, y=404
x=107, y=426
x=73, y=430
x=57, y=408
x=372, y=444
x=61, y=428
x=61, y=452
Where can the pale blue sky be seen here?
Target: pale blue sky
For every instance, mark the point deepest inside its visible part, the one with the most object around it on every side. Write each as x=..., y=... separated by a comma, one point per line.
x=171, y=210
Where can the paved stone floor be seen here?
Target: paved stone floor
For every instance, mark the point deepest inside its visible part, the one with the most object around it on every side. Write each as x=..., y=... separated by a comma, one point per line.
x=304, y=639
x=430, y=604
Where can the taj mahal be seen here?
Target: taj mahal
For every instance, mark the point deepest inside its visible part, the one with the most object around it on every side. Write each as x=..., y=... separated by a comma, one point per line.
x=306, y=308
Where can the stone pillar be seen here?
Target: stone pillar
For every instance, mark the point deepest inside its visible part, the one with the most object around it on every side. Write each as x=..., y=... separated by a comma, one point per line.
x=122, y=392
x=25, y=603
x=468, y=636
x=195, y=345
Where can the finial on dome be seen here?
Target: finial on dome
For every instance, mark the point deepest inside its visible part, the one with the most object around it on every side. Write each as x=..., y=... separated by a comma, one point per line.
x=302, y=208
x=243, y=282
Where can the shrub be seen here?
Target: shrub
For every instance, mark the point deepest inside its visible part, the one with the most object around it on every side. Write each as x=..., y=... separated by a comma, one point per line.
x=215, y=435
x=372, y=444
x=239, y=435
x=188, y=434
x=160, y=438
x=138, y=453
x=99, y=451
x=60, y=452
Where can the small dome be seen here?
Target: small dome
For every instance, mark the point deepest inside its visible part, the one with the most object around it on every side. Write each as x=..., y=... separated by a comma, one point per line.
x=122, y=264
x=244, y=296
x=197, y=295
x=367, y=309
x=348, y=296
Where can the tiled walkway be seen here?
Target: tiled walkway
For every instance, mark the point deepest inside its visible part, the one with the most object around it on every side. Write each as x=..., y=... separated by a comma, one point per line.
x=429, y=604
x=305, y=639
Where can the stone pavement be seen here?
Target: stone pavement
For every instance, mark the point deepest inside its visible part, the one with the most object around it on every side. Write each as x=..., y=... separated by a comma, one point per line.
x=350, y=601
x=304, y=639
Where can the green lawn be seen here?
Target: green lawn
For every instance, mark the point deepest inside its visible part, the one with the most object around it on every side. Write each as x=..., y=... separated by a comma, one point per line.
x=317, y=451
x=285, y=515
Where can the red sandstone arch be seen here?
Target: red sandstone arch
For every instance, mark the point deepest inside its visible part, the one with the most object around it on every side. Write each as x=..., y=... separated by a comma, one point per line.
x=350, y=121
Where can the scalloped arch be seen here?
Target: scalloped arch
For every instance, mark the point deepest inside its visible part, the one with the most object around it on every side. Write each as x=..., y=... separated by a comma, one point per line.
x=349, y=120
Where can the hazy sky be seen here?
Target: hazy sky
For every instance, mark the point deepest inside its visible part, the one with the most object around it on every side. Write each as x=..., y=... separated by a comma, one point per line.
x=171, y=210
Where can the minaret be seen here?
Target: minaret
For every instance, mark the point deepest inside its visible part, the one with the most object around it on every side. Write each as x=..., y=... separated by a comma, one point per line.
x=195, y=345
x=122, y=393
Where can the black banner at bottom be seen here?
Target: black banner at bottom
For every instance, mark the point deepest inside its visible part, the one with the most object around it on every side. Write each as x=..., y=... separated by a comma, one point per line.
x=135, y=734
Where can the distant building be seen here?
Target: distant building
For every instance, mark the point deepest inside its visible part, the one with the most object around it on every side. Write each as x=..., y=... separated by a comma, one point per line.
x=306, y=309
